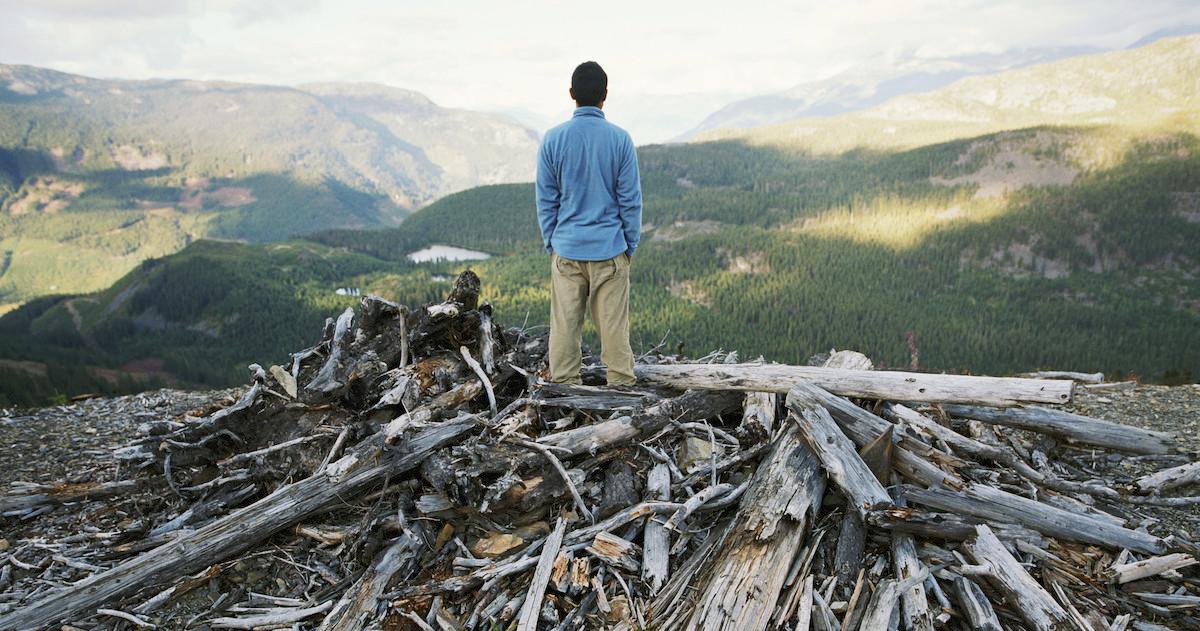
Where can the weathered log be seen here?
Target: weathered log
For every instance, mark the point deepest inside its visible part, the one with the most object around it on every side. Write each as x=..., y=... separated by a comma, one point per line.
x=1172, y=478
x=691, y=406
x=947, y=526
x=619, y=489
x=1033, y=603
x=1128, y=572
x=993, y=504
x=1081, y=429
x=975, y=605
x=356, y=607
x=758, y=416
x=878, y=614
x=996, y=453
x=563, y=395
x=914, y=604
x=848, y=557
x=656, y=562
x=742, y=584
x=329, y=377
x=237, y=532
x=837, y=454
x=27, y=496
x=1082, y=377
x=911, y=458
x=528, y=620
x=867, y=384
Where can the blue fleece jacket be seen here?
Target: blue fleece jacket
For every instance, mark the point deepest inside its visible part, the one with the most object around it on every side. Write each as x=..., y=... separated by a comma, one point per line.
x=589, y=195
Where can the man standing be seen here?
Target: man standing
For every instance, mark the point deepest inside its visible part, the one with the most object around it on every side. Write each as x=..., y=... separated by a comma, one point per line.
x=589, y=202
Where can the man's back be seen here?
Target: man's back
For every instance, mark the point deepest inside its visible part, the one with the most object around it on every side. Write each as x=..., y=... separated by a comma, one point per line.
x=588, y=193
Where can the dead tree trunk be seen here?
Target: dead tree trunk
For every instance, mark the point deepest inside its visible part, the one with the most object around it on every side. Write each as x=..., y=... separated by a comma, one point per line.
x=742, y=586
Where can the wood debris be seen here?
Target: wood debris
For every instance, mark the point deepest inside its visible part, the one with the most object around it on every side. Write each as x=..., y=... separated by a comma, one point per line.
x=413, y=470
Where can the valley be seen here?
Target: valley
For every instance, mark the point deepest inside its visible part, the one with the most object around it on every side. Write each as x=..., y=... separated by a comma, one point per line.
x=97, y=176
x=994, y=239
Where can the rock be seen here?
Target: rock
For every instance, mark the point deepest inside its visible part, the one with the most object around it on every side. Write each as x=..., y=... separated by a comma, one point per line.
x=285, y=379
x=694, y=451
x=495, y=545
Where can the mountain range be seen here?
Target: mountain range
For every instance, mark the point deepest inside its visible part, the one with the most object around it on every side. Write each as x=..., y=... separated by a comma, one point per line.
x=887, y=76
x=1043, y=217
x=98, y=175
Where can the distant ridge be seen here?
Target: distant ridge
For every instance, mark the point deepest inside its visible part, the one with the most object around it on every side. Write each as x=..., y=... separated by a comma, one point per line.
x=870, y=84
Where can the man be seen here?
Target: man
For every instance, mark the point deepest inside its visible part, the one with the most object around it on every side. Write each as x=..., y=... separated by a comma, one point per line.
x=589, y=202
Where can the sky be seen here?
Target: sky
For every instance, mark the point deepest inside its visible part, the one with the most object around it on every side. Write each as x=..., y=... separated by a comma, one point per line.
x=669, y=63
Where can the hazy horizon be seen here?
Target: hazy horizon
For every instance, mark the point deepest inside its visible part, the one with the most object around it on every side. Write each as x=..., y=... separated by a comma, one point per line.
x=670, y=64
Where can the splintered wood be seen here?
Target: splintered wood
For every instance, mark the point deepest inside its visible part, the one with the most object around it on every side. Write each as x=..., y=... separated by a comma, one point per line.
x=413, y=471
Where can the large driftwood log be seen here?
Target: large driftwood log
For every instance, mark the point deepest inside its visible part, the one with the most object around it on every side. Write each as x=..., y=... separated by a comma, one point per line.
x=1081, y=429
x=743, y=585
x=993, y=504
x=867, y=384
x=1033, y=603
x=365, y=466
x=1128, y=572
x=996, y=453
x=842, y=463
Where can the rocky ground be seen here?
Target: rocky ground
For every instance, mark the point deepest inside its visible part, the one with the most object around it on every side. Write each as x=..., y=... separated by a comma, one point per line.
x=74, y=443
x=1174, y=409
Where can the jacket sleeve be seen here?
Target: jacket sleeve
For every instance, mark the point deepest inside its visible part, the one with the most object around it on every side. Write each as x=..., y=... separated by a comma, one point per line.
x=629, y=197
x=547, y=195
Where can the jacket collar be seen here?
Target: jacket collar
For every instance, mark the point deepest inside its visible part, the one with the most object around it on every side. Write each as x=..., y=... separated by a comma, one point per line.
x=588, y=110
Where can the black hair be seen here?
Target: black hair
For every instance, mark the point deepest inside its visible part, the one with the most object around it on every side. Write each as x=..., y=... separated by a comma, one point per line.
x=589, y=83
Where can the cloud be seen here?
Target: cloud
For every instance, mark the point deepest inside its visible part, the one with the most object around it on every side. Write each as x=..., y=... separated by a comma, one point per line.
x=518, y=54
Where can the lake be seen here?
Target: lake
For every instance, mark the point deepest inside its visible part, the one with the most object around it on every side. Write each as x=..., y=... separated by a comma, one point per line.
x=446, y=253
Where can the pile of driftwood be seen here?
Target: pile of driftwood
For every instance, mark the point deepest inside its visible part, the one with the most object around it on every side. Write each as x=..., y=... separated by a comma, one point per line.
x=413, y=471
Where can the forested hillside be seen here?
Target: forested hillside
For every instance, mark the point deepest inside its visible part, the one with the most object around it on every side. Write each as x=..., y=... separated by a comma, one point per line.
x=98, y=175
x=1037, y=245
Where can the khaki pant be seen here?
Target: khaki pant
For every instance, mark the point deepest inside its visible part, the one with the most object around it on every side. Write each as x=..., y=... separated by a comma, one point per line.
x=605, y=284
